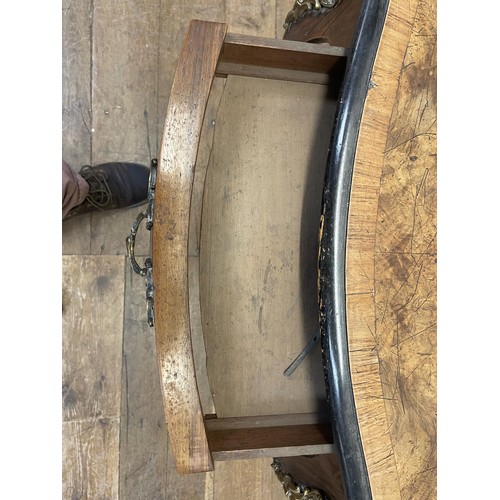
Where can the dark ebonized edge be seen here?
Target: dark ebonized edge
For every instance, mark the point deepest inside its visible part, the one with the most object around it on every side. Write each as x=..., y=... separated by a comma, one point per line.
x=332, y=255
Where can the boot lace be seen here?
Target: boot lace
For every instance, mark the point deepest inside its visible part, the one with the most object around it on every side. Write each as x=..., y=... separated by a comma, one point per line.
x=99, y=192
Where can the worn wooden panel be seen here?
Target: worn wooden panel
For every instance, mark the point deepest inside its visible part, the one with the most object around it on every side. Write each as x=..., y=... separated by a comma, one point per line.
x=76, y=108
x=92, y=328
x=197, y=486
x=119, y=28
x=197, y=338
x=390, y=261
x=202, y=161
x=281, y=435
x=174, y=20
x=252, y=479
x=369, y=396
x=183, y=123
x=406, y=332
x=406, y=284
x=124, y=102
x=259, y=246
x=409, y=175
x=360, y=263
x=310, y=439
x=90, y=458
x=251, y=18
x=93, y=290
x=76, y=82
x=289, y=60
x=143, y=438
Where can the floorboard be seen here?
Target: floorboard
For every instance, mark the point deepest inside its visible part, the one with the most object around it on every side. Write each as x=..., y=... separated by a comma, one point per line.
x=118, y=64
x=76, y=108
x=93, y=291
x=143, y=436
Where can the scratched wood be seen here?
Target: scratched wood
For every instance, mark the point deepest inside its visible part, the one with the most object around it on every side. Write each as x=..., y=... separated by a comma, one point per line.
x=124, y=103
x=174, y=22
x=251, y=18
x=103, y=46
x=93, y=289
x=183, y=123
x=259, y=246
x=76, y=92
x=76, y=109
x=143, y=433
x=405, y=265
x=360, y=273
x=390, y=260
x=90, y=458
x=197, y=486
x=253, y=479
x=262, y=18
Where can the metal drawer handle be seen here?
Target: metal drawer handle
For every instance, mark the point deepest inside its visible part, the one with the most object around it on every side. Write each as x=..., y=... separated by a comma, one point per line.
x=146, y=271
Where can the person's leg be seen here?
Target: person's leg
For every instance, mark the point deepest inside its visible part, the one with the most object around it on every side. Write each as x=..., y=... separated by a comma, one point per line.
x=107, y=186
x=74, y=189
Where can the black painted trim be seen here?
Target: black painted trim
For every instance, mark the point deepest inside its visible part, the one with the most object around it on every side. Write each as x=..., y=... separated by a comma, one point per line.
x=336, y=195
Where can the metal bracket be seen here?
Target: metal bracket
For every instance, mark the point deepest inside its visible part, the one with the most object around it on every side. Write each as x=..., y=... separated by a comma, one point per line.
x=294, y=490
x=146, y=271
x=302, y=8
x=302, y=355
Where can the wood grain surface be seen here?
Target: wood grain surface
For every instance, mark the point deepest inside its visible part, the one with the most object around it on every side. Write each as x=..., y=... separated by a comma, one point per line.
x=125, y=54
x=360, y=264
x=175, y=200
x=96, y=39
x=281, y=60
x=259, y=246
x=391, y=260
x=405, y=265
x=252, y=478
x=196, y=324
x=143, y=430
x=93, y=290
x=184, y=119
x=123, y=62
x=76, y=108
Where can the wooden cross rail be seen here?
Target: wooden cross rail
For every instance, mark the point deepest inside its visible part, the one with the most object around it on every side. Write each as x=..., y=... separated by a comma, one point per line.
x=269, y=436
x=276, y=59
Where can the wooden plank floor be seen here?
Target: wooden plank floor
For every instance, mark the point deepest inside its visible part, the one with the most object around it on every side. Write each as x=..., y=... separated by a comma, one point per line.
x=118, y=63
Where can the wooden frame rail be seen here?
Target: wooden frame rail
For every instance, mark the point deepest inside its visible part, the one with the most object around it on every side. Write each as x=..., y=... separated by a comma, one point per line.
x=276, y=59
x=269, y=436
x=208, y=51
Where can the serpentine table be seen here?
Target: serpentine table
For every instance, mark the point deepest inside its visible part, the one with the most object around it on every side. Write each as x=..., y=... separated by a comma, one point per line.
x=232, y=286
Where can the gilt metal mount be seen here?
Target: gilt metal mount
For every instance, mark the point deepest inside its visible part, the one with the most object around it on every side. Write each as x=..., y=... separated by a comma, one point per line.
x=294, y=491
x=147, y=271
x=302, y=8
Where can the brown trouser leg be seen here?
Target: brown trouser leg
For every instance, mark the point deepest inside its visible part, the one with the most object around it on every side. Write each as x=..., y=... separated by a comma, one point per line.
x=74, y=189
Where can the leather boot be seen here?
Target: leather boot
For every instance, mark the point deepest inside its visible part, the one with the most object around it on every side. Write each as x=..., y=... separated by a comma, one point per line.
x=113, y=185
